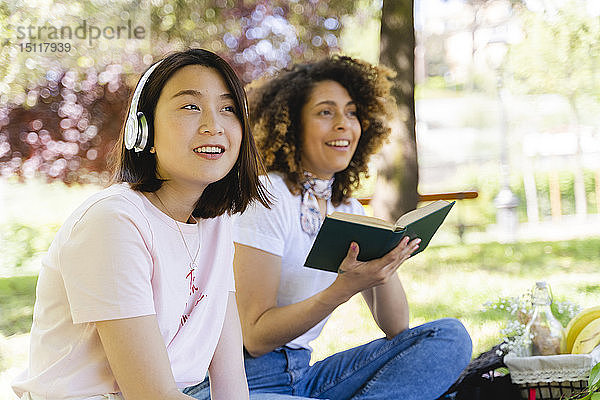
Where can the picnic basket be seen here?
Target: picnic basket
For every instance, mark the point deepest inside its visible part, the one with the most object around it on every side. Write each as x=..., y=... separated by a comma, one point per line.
x=551, y=377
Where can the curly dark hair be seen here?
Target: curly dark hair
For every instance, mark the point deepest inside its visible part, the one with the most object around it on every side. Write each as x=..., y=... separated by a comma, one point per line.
x=275, y=113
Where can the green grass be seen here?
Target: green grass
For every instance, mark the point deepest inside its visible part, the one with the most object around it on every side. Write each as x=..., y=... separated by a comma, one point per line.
x=444, y=281
x=455, y=281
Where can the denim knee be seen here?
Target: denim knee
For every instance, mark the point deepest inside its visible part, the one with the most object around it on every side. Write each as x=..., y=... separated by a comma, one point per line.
x=456, y=334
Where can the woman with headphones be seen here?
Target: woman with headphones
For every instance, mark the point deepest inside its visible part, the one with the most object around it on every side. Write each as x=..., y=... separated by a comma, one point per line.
x=135, y=298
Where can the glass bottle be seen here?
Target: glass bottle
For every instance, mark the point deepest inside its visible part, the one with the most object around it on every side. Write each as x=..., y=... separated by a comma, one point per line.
x=543, y=333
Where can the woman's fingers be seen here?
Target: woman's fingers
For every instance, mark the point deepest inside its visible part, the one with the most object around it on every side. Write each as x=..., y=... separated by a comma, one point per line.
x=401, y=253
x=376, y=272
x=350, y=258
x=413, y=246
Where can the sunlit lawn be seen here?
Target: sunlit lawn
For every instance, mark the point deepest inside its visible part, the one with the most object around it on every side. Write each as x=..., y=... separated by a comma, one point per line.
x=444, y=281
x=455, y=281
x=448, y=281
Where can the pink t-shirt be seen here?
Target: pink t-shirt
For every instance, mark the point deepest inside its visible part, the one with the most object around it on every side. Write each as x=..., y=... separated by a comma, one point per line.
x=117, y=256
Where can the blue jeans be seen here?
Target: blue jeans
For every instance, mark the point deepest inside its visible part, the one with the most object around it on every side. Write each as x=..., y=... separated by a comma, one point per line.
x=418, y=364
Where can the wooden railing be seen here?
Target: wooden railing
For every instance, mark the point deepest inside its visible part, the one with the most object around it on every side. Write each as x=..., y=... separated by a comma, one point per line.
x=460, y=226
x=436, y=196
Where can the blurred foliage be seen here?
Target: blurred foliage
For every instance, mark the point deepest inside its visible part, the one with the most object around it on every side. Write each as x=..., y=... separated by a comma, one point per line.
x=560, y=52
x=19, y=243
x=61, y=113
x=17, y=296
x=257, y=37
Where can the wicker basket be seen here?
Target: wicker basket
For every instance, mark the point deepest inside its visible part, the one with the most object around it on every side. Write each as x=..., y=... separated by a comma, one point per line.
x=550, y=390
x=551, y=377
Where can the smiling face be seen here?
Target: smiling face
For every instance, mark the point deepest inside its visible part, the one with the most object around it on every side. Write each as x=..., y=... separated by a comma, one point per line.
x=330, y=130
x=197, y=134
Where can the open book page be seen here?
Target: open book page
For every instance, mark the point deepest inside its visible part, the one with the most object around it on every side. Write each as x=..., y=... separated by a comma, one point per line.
x=362, y=219
x=400, y=224
x=419, y=213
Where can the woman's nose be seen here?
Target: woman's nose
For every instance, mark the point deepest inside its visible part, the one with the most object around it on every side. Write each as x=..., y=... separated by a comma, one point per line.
x=210, y=124
x=341, y=122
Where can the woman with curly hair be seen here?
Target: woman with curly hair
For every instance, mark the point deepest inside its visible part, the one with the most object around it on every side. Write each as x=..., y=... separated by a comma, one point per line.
x=317, y=126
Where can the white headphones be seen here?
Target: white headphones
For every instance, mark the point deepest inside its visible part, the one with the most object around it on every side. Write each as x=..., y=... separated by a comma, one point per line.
x=136, y=126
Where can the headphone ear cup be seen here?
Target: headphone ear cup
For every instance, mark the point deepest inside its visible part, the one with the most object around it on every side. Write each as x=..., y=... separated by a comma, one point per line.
x=136, y=127
x=131, y=133
x=142, y=132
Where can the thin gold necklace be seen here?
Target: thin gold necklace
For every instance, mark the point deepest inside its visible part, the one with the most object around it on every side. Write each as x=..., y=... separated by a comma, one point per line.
x=192, y=259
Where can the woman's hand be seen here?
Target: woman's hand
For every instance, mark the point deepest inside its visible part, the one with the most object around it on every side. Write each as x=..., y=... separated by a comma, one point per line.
x=355, y=276
x=266, y=326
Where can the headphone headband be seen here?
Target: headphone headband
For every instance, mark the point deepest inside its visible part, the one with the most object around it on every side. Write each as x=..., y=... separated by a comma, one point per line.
x=136, y=126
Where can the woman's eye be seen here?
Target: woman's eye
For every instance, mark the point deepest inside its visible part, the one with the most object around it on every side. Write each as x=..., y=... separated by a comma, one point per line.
x=325, y=112
x=191, y=107
x=353, y=113
x=230, y=109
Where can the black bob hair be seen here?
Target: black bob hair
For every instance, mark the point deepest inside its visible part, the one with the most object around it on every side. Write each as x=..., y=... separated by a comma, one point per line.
x=231, y=194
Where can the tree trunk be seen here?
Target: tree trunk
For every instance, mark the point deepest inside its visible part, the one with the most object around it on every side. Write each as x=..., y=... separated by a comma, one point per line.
x=398, y=173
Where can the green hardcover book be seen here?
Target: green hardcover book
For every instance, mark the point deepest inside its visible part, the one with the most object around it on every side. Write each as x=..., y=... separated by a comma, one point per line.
x=375, y=237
